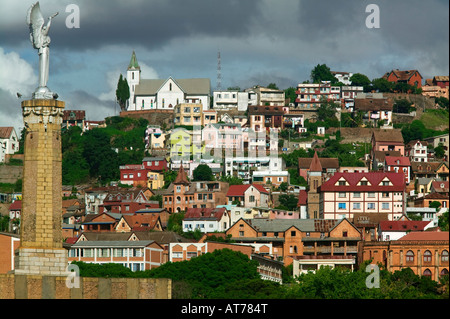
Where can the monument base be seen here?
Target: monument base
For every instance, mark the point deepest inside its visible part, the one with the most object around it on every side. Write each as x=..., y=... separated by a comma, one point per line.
x=41, y=261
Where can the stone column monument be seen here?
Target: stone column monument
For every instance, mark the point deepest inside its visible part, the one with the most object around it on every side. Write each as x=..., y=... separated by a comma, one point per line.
x=40, y=251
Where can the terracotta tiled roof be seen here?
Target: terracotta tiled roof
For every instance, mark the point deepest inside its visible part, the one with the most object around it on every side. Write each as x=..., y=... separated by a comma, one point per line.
x=201, y=213
x=239, y=190
x=368, y=104
x=381, y=155
x=403, y=225
x=268, y=109
x=441, y=78
x=305, y=162
x=302, y=198
x=440, y=186
x=397, y=160
x=402, y=75
x=435, y=235
x=436, y=196
x=374, y=180
x=390, y=135
x=425, y=167
x=5, y=132
x=17, y=205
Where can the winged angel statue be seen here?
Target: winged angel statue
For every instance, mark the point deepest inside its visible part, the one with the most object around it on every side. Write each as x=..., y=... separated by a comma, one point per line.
x=41, y=41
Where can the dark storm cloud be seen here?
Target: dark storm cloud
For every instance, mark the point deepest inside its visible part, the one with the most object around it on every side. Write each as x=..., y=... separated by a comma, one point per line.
x=147, y=23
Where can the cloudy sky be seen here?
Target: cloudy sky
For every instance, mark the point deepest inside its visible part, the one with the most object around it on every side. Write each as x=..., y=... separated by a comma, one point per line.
x=260, y=42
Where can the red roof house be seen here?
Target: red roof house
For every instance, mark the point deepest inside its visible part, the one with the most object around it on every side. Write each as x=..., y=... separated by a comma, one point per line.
x=249, y=195
x=345, y=194
x=411, y=77
x=398, y=164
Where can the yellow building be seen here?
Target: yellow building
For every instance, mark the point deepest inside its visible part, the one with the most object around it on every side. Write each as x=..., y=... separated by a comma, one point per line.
x=188, y=114
x=155, y=180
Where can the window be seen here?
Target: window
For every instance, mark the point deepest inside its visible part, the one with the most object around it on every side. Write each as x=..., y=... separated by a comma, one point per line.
x=444, y=256
x=241, y=234
x=371, y=194
x=251, y=198
x=427, y=256
x=385, y=195
x=357, y=194
x=410, y=256
x=344, y=234
x=370, y=205
x=427, y=273
x=177, y=254
x=191, y=254
x=342, y=194
x=385, y=206
x=356, y=205
x=293, y=233
x=342, y=206
x=363, y=182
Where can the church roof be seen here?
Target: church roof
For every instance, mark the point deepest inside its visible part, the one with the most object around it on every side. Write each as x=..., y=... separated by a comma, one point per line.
x=133, y=62
x=189, y=86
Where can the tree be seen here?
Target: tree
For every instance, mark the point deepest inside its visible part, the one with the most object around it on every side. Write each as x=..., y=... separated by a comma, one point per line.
x=290, y=94
x=102, y=160
x=207, y=274
x=359, y=79
x=272, y=86
x=203, y=173
x=232, y=180
x=322, y=72
x=443, y=221
x=288, y=201
x=439, y=151
x=122, y=92
x=435, y=204
x=327, y=111
x=442, y=102
x=402, y=106
x=382, y=85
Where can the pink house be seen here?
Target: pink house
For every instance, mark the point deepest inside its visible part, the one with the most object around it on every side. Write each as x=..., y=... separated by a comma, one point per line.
x=283, y=214
x=223, y=136
x=387, y=140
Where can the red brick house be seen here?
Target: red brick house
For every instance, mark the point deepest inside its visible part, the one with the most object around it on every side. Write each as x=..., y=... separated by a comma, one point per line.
x=411, y=77
x=155, y=164
x=441, y=81
x=135, y=175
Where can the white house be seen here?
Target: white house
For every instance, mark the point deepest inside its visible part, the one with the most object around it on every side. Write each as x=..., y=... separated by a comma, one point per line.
x=206, y=220
x=231, y=100
x=160, y=94
x=417, y=151
x=9, y=140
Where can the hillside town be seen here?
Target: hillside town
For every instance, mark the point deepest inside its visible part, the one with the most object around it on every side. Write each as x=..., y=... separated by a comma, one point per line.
x=334, y=172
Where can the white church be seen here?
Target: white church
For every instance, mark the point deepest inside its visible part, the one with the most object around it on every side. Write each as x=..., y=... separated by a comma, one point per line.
x=158, y=94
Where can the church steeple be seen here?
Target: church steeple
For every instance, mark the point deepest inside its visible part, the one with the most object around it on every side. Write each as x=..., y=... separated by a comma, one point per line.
x=181, y=177
x=134, y=65
x=315, y=164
